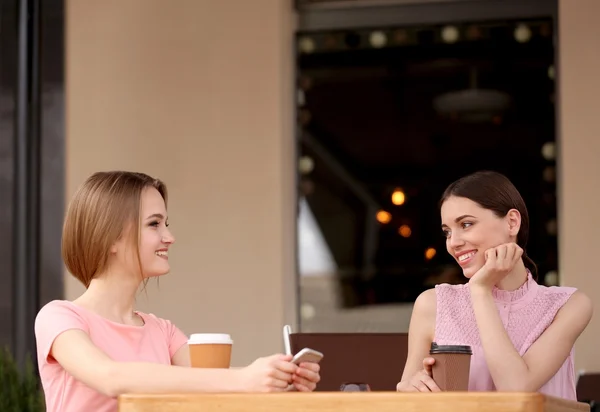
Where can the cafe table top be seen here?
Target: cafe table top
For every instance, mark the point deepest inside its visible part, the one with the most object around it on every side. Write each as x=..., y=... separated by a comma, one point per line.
x=349, y=401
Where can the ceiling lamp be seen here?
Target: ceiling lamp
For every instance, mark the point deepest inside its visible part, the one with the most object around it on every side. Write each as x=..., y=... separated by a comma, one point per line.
x=472, y=105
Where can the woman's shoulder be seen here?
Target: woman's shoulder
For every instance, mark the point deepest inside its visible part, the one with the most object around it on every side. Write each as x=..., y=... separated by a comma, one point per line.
x=452, y=286
x=59, y=308
x=561, y=295
x=158, y=326
x=557, y=289
x=441, y=292
x=426, y=297
x=150, y=319
x=451, y=292
x=565, y=305
x=579, y=304
x=574, y=315
x=425, y=304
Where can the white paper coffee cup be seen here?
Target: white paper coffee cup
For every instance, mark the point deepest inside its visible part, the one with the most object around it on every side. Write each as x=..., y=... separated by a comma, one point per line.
x=210, y=350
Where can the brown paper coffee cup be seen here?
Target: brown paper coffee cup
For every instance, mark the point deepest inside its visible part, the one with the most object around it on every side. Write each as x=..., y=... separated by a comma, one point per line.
x=451, y=367
x=210, y=350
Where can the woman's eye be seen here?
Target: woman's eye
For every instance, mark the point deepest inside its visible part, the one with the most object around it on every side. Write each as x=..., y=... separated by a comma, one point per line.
x=154, y=224
x=466, y=224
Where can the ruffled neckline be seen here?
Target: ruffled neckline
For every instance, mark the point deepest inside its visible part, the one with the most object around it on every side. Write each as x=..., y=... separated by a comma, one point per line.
x=515, y=295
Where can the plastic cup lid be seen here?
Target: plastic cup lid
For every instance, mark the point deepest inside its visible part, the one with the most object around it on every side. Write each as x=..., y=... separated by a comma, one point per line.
x=435, y=348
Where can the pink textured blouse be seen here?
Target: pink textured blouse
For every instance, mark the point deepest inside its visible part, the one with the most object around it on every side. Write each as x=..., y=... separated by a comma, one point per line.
x=525, y=313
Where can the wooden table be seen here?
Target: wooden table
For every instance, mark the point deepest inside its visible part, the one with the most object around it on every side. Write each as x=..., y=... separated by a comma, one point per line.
x=350, y=402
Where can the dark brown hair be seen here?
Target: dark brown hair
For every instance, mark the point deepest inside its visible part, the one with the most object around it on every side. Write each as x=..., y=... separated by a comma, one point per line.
x=493, y=191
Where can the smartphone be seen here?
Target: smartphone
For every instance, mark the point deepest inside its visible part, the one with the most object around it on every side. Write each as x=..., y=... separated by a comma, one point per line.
x=307, y=355
x=287, y=331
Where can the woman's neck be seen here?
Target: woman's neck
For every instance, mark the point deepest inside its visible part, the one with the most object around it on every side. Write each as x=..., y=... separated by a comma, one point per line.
x=515, y=279
x=112, y=296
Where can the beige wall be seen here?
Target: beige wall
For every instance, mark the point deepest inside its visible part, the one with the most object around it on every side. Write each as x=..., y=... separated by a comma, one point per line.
x=579, y=216
x=187, y=91
x=198, y=93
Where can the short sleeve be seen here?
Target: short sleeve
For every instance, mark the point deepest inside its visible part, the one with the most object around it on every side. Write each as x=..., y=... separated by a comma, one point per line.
x=53, y=319
x=176, y=337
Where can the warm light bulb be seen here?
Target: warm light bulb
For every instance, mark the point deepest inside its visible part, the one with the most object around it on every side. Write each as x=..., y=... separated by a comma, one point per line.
x=549, y=151
x=384, y=217
x=306, y=165
x=450, y=34
x=378, y=39
x=306, y=45
x=398, y=197
x=430, y=253
x=522, y=33
x=405, y=231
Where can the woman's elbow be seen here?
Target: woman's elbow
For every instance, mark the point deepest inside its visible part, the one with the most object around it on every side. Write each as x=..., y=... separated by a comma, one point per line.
x=111, y=381
x=517, y=385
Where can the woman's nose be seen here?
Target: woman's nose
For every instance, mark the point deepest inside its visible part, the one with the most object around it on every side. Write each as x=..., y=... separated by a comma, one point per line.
x=168, y=237
x=455, y=241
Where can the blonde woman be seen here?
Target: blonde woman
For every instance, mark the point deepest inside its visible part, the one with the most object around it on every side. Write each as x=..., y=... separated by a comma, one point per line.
x=96, y=347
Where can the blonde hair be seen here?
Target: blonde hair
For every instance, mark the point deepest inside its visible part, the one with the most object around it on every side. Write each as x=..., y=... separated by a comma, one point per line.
x=103, y=206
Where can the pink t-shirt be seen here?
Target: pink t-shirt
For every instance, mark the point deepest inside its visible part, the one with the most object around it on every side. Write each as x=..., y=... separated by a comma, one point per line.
x=156, y=342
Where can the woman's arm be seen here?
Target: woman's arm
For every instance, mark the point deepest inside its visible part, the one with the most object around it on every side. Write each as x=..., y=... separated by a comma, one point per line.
x=182, y=357
x=305, y=379
x=76, y=353
x=420, y=335
x=510, y=371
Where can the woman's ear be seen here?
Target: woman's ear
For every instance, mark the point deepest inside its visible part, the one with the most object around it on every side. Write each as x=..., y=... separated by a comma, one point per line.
x=114, y=248
x=513, y=218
